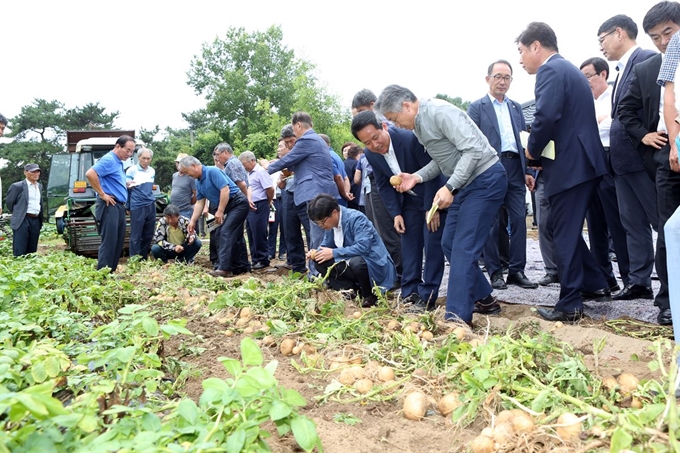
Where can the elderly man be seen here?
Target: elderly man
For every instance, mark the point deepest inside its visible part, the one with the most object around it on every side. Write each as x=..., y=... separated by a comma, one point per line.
x=107, y=178
x=261, y=193
x=172, y=239
x=25, y=202
x=142, y=203
x=3, y=124
x=183, y=193
x=351, y=244
x=474, y=190
x=227, y=204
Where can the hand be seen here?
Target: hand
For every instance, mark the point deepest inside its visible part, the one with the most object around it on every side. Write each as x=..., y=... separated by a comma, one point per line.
x=191, y=239
x=322, y=254
x=444, y=197
x=179, y=249
x=191, y=228
x=655, y=140
x=673, y=158
x=527, y=154
x=408, y=182
x=219, y=217
x=530, y=182
x=434, y=223
x=399, y=224
x=350, y=196
x=108, y=199
x=252, y=206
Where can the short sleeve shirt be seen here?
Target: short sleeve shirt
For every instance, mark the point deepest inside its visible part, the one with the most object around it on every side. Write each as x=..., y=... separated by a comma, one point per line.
x=112, y=176
x=211, y=182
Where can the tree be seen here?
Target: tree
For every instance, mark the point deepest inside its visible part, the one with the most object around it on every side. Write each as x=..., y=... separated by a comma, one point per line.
x=457, y=101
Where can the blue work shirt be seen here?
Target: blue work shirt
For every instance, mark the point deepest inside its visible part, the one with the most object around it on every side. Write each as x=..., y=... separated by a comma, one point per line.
x=112, y=176
x=141, y=194
x=211, y=182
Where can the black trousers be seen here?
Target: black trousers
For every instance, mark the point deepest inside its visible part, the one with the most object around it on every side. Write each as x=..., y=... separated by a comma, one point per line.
x=667, y=200
x=352, y=274
x=25, y=238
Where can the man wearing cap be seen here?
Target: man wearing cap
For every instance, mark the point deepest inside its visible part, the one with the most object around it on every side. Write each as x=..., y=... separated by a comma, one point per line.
x=25, y=202
x=183, y=193
x=107, y=178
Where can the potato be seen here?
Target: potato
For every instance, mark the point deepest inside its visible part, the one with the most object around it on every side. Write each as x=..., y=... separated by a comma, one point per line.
x=229, y=333
x=346, y=377
x=571, y=427
x=357, y=371
x=356, y=315
x=393, y=325
x=482, y=444
x=413, y=327
x=287, y=346
x=268, y=341
x=385, y=374
x=503, y=433
x=504, y=417
x=296, y=350
x=395, y=180
x=636, y=403
x=628, y=382
x=390, y=387
x=312, y=254
x=610, y=383
x=448, y=403
x=223, y=320
x=242, y=322
x=309, y=349
x=488, y=432
x=460, y=333
x=522, y=423
x=415, y=406
x=246, y=312
x=426, y=335
x=363, y=386
x=248, y=330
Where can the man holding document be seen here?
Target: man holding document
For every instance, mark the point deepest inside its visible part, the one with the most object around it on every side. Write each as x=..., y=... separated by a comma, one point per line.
x=565, y=119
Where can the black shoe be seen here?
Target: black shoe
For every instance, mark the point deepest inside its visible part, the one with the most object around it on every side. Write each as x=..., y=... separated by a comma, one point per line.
x=281, y=256
x=415, y=304
x=369, y=302
x=260, y=265
x=488, y=306
x=613, y=285
x=665, y=318
x=497, y=281
x=521, y=280
x=272, y=258
x=630, y=292
x=601, y=295
x=556, y=315
x=548, y=279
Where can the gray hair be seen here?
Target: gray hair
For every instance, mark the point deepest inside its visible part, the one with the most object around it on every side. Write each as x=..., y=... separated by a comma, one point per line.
x=3, y=119
x=142, y=150
x=246, y=156
x=392, y=99
x=171, y=210
x=187, y=162
x=222, y=147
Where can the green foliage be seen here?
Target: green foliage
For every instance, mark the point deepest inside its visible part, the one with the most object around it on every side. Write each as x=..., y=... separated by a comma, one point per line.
x=457, y=101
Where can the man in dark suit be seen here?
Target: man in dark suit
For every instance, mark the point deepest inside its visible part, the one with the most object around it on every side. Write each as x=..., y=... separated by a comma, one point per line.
x=501, y=120
x=311, y=162
x=565, y=115
x=25, y=202
x=392, y=151
x=639, y=113
x=634, y=186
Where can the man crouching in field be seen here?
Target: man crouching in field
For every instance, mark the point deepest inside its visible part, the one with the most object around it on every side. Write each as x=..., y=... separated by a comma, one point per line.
x=172, y=238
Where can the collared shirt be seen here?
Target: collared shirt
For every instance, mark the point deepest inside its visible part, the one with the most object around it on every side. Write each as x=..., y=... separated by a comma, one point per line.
x=210, y=184
x=670, y=61
x=508, y=142
x=260, y=181
x=338, y=235
x=162, y=234
x=111, y=175
x=621, y=65
x=391, y=159
x=236, y=171
x=141, y=192
x=33, y=198
x=603, y=106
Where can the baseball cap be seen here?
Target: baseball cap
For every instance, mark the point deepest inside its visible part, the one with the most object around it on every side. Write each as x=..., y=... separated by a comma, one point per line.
x=32, y=167
x=181, y=156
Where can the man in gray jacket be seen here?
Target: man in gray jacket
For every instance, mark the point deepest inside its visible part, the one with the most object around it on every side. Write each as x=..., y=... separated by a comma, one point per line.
x=475, y=190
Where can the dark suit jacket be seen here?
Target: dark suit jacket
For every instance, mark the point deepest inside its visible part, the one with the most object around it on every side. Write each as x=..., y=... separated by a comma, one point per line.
x=638, y=109
x=565, y=113
x=411, y=157
x=17, y=203
x=625, y=158
x=483, y=114
x=311, y=162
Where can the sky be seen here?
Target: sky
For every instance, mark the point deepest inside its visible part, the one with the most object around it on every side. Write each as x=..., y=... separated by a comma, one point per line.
x=133, y=56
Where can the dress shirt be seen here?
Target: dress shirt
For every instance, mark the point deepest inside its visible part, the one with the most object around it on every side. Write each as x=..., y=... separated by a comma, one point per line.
x=33, y=198
x=661, y=127
x=391, y=159
x=260, y=181
x=338, y=236
x=603, y=106
x=621, y=65
x=508, y=142
x=670, y=61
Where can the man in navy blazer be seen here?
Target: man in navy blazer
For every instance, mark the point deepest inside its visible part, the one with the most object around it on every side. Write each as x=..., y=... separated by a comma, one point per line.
x=311, y=162
x=24, y=201
x=565, y=114
x=501, y=120
x=393, y=151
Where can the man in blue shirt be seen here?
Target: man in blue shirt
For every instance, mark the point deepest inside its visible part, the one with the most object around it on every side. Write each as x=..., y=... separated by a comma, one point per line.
x=107, y=178
x=227, y=204
x=142, y=203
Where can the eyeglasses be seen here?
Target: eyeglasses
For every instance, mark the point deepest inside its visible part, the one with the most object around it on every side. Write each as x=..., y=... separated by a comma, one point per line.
x=600, y=39
x=321, y=223
x=499, y=77
x=589, y=76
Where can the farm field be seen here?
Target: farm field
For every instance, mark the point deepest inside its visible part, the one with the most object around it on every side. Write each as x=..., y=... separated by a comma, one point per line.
x=166, y=358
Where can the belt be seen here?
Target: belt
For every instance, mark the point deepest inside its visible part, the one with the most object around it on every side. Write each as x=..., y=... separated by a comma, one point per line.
x=606, y=149
x=510, y=154
x=32, y=215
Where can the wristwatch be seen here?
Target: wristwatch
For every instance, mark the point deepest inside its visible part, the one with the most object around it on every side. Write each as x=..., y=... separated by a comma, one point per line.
x=450, y=188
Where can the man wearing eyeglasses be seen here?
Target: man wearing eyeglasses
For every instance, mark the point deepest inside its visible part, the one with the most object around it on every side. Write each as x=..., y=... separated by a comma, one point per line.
x=500, y=119
x=633, y=171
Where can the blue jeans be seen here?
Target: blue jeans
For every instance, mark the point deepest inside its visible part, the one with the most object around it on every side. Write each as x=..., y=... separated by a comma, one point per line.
x=467, y=228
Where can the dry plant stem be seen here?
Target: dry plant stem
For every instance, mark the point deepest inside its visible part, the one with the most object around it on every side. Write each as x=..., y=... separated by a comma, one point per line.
x=520, y=405
x=591, y=446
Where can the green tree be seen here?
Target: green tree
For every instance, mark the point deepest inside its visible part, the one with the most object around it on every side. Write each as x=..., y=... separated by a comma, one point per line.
x=457, y=101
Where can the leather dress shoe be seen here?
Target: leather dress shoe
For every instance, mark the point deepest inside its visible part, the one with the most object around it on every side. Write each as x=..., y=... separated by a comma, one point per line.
x=415, y=304
x=556, y=315
x=497, y=281
x=613, y=285
x=521, y=280
x=260, y=265
x=548, y=279
x=630, y=292
x=221, y=273
x=488, y=306
x=664, y=318
x=601, y=295
x=369, y=302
